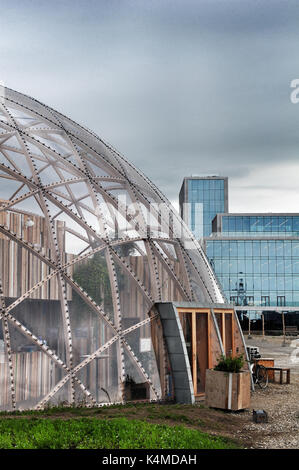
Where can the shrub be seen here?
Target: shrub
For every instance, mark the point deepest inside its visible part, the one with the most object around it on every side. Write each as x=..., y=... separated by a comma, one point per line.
x=230, y=363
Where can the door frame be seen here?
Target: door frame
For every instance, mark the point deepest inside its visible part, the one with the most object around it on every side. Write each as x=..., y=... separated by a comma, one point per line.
x=211, y=317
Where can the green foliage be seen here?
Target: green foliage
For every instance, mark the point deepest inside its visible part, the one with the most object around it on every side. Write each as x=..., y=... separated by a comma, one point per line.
x=93, y=277
x=230, y=363
x=93, y=433
x=125, y=250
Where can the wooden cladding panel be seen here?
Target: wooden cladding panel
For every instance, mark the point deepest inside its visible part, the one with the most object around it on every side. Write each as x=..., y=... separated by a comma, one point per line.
x=202, y=349
x=215, y=347
x=20, y=270
x=34, y=377
x=206, y=348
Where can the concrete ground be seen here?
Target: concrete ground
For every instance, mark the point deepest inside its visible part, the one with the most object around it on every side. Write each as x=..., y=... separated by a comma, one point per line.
x=284, y=352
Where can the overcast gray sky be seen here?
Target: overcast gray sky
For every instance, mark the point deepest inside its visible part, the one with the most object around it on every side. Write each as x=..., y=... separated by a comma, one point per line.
x=179, y=87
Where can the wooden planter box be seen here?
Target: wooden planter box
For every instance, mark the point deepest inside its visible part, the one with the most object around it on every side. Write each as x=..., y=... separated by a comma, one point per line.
x=229, y=391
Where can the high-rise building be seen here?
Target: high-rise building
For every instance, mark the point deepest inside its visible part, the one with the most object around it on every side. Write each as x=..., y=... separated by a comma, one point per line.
x=255, y=256
x=201, y=198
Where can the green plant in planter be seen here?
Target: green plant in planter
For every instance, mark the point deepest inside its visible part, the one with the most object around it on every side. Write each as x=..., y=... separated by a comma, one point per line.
x=230, y=363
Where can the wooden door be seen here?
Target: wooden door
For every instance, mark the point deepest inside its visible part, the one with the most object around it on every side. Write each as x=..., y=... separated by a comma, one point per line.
x=196, y=329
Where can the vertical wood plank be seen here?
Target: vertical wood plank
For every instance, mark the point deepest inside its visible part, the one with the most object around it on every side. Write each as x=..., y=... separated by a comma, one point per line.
x=209, y=340
x=233, y=335
x=223, y=331
x=194, y=351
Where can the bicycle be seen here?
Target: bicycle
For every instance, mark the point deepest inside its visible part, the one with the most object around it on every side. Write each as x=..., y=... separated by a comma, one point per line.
x=259, y=375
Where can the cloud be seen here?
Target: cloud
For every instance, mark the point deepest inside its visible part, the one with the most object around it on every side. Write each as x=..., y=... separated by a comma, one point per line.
x=179, y=88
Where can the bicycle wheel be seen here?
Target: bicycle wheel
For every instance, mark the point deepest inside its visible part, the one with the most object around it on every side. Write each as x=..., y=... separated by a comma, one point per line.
x=262, y=376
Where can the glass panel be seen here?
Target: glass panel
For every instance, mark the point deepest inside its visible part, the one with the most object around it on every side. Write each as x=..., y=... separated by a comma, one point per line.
x=246, y=224
x=233, y=249
x=133, y=302
x=101, y=376
x=44, y=319
x=89, y=330
x=136, y=386
x=253, y=223
x=93, y=277
x=225, y=249
x=272, y=266
x=241, y=249
x=279, y=247
x=264, y=248
x=288, y=283
x=287, y=248
x=264, y=266
x=280, y=266
x=217, y=249
x=210, y=249
x=249, y=283
x=233, y=266
x=295, y=248
x=140, y=342
x=225, y=224
x=265, y=283
x=296, y=224
x=248, y=248
x=232, y=224
x=256, y=248
x=239, y=224
x=35, y=372
x=256, y=265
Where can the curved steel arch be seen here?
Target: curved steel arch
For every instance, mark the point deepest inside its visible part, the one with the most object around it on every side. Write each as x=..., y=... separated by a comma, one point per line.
x=92, y=203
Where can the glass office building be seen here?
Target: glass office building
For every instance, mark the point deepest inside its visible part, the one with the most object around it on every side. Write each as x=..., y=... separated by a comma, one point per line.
x=254, y=256
x=257, y=272
x=201, y=198
x=256, y=225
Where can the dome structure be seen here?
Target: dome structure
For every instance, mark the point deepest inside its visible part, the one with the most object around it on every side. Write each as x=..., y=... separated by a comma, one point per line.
x=87, y=246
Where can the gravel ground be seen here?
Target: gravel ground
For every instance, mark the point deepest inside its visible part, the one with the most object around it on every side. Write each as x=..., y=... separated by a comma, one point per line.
x=281, y=402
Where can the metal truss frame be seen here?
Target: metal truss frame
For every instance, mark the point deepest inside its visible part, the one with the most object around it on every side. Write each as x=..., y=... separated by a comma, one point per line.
x=52, y=158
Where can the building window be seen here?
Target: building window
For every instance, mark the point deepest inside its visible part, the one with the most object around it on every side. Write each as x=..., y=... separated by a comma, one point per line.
x=265, y=301
x=234, y=300
x=281, y=301
x=249, y=300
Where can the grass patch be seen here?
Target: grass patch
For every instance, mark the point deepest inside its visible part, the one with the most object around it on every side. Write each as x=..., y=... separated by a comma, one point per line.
x=93, y=433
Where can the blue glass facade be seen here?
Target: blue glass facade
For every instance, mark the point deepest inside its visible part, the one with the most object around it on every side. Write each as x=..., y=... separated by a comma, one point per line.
x=204, y=197
x=260, y=225
x=255, y=256
x=268, y=270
